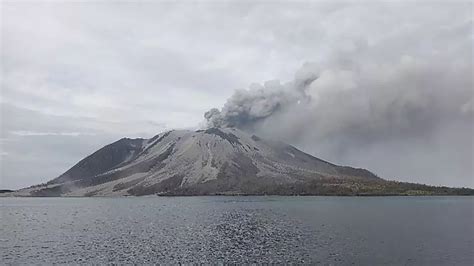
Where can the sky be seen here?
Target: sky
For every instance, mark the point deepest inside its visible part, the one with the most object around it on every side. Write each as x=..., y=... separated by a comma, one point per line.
x=383, y=86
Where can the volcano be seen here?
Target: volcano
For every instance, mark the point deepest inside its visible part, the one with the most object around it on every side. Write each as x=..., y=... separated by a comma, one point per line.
x=215, y=161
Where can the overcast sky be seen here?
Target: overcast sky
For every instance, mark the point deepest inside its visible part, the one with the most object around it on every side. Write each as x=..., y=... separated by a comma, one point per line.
x=77, y=76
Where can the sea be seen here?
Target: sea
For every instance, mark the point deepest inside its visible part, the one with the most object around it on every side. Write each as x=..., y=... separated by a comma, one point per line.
x=238, y=230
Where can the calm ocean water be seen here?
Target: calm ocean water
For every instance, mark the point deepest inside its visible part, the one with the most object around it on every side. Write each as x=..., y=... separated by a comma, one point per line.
x=326, y=230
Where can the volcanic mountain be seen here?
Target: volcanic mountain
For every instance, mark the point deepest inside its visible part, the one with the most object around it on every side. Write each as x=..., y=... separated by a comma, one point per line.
x=216, y=161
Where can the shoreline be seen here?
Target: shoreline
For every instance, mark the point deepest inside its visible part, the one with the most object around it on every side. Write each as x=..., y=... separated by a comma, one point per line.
x=242, y=195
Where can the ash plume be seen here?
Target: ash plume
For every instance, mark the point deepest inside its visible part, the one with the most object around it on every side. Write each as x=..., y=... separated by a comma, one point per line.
x=370, y=112
x=249, y=107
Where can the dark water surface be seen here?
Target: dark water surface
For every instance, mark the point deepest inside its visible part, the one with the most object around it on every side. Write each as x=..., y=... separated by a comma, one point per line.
x=326, y=230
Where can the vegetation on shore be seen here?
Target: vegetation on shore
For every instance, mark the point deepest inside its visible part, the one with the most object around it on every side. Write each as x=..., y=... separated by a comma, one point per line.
x=339, y=187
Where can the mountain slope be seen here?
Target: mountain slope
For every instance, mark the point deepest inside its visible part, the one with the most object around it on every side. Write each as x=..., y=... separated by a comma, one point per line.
x=209, y=162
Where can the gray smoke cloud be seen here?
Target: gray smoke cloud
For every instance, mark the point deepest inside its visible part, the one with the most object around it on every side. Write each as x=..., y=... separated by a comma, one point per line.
x=247, y=108
x=409, y=97
x=407, y=117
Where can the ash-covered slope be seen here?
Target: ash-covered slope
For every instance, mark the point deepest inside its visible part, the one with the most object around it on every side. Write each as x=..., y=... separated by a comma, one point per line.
x=204, y=162
x=212, y=161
